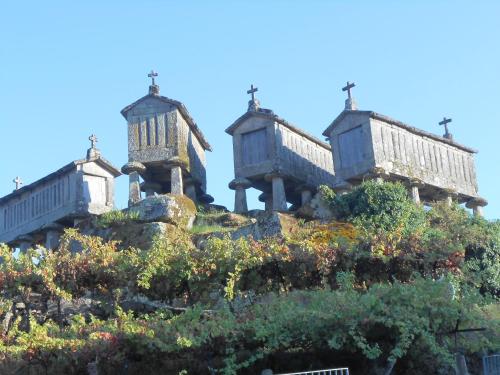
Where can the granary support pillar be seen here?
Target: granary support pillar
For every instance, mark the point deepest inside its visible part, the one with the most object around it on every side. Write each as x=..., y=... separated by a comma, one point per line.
x=133, y=169
x=278, y=188
x=450, y=194
x=306, y=194
x=176, y=180
x=379, y=174
x=415, y=185
x=25, y=242
x=52, y=235
x=240, y=186
x=190, y=188
x=267, y=198
x=175, y=165
x=477, y=205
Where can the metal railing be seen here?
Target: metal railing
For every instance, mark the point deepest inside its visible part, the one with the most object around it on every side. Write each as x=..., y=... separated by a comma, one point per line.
x=332, y=371
x=491, y=365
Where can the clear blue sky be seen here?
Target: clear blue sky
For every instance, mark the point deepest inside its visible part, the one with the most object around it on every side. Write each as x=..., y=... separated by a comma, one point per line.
x=68, y=68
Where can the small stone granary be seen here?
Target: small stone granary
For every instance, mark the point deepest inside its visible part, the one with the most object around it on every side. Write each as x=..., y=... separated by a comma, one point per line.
x=277, y=158
x=165, y=147
x=369, y=145
x=37, y=213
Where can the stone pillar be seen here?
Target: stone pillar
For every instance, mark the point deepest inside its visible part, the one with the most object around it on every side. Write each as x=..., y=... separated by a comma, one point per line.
x=175, y=165
x=190, y=188
x=379, y=174
x=415, y=185
x=450, y=194
x=150, y=188
x=279, y=195
x=52, y=235
x=240, y=186
x=25, y=242
x=305, y=192
x=267, y=198
x=133, y=169
x=176, y=187
x=477, y=205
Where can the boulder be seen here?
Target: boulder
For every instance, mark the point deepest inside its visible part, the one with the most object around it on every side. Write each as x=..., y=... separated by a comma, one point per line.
x=316, y=209
x=268, y=224
x=177, y=210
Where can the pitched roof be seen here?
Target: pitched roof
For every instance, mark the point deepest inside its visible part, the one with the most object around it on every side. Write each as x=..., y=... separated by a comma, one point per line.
x=67, y=168
x=389, y=120
x=182, y=109
x=268, y=114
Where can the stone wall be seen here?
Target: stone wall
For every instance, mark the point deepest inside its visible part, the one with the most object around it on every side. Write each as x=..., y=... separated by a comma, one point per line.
x=82, y=189
x=151, y=131
x=302, y=158
x=403, y=153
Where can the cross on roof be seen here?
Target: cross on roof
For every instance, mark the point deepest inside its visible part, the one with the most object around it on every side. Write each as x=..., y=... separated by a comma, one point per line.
x=93, y=140
x=252, y=91
x=445, y=122
x=152, y=75
x=348, y=88
x=18, y=182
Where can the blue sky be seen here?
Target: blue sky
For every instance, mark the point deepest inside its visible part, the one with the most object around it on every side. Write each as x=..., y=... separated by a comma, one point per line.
x=68, y=68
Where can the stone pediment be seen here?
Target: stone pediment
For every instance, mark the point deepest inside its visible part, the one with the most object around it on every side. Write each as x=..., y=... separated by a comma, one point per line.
x=180, y=107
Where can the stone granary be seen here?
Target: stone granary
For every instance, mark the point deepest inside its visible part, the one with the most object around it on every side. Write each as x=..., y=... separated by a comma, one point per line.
x=367, y=145
x=37, y=213
x=165, y=147
x=277, y=158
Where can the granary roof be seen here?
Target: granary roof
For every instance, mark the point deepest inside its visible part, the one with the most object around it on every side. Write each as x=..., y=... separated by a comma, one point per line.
x=387, y=119
x=268, y=114
x=182, y=109
x=67, y=168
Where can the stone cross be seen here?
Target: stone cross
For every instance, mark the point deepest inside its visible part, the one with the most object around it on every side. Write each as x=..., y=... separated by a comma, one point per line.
x=18, y=182
x=348, y=88
x=152, y=75
x=252, y=91
x=93, y=140
x=445, y=123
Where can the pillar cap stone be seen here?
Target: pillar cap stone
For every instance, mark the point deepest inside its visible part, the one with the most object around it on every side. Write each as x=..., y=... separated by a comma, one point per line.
x=240, y=182
x=276, y=173
x=413, y=181
x=476, y=202
x=133, y=166
x=206, y=198
x=25, y=238
x=53, y=226
x=175, y=162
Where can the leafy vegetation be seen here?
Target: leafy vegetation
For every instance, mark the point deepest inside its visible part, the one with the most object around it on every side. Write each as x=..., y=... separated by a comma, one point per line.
x=381, y=287
x=116, y=217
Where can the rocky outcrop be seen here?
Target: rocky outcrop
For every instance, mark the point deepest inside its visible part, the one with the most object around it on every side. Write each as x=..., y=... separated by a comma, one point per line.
x=267, y=224
x=177, y=210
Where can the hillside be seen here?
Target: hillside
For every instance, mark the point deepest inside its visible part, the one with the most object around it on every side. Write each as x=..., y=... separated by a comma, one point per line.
x=366, y=280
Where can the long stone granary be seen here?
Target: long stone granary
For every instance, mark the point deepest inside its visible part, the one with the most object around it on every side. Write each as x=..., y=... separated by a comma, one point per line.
x=277, y=158
x=368, y=145
x=165, y=147
x=37, y=213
